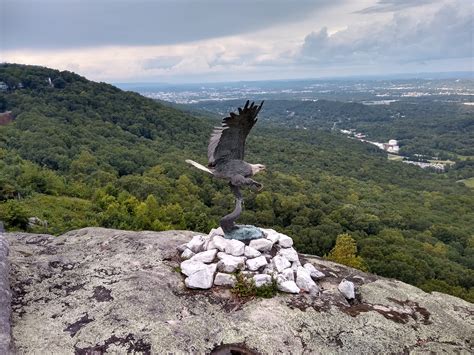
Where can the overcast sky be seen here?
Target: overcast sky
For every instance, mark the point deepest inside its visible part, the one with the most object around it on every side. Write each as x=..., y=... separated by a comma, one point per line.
x=228, y=40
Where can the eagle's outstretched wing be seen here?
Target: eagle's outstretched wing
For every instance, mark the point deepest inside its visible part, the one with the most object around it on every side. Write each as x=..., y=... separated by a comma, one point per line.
x=228, y=141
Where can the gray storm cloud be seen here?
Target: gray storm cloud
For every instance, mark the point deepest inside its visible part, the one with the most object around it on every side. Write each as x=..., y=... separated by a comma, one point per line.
x=56, y=24
x=407, y=37
x=393, y=5
x=161, y=62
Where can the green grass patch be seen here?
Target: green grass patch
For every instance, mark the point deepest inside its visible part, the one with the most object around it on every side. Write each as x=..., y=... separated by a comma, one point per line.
x=468, y=182
x=394, y=157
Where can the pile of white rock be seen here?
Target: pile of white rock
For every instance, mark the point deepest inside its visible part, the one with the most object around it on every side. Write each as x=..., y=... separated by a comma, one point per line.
x=213, y=260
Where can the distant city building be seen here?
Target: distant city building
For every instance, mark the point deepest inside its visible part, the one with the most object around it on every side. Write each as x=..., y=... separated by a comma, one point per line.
x=391, y=146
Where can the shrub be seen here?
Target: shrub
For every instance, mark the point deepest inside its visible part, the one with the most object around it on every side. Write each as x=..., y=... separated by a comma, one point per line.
x=245, y=287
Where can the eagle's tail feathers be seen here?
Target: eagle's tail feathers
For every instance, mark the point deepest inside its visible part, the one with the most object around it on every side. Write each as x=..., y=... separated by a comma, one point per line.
x=199, y=166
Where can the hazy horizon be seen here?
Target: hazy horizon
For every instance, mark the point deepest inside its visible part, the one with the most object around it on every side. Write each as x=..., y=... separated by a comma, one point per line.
x=439, y=75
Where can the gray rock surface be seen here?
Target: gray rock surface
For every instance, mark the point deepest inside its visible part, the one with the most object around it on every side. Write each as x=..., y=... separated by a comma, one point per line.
x=97, y=290
x=5, y=299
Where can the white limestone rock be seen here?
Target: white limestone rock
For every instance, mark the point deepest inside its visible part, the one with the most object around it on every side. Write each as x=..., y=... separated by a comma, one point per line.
x=304, y=280
x=250, y=252
x=187, y=254
x=280, y=263
x=347, y=289
x=221, y=255
x=288, y=274
x=272, y=235
x=189, y=267
x=315, y=291
x=217, y=242
x=290, y=254
x=256, y=263
x=262, y=279
x=269, y=269
x=229, y=263
x=261, y=244
x=225, y=280
x=285, y=242
x=234, y=247
x=182, y=247
x=207, y=256
x=216, y=231
x=202, y=279
x=315, y=274
x=197, y=243
x=288, y=287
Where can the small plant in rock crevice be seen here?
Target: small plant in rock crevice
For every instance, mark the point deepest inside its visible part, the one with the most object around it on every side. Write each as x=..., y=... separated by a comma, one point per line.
x=245, y=287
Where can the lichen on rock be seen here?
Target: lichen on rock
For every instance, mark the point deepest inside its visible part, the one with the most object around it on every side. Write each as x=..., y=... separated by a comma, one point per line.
x=97, y=290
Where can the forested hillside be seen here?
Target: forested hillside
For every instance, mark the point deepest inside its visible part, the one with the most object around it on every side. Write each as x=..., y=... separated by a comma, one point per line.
x=79, y=153
x=423, y=126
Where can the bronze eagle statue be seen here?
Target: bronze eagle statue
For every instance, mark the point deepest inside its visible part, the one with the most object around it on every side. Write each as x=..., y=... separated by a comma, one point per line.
x=225, y=155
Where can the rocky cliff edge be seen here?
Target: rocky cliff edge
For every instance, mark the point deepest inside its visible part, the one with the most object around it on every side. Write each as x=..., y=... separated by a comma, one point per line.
x=95, y=290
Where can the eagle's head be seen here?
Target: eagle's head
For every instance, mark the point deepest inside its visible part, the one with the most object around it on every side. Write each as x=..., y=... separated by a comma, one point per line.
x=257, y=168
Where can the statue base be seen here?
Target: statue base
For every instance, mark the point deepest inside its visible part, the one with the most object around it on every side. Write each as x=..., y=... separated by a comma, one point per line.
x=244, y=233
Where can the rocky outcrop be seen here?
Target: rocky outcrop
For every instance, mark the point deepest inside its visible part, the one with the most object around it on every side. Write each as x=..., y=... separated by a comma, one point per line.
x=5, y=298
x=97, y=290
x=236, y=256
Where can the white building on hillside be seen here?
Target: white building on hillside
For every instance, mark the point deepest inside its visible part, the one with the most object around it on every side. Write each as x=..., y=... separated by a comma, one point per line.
x=391, y=146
